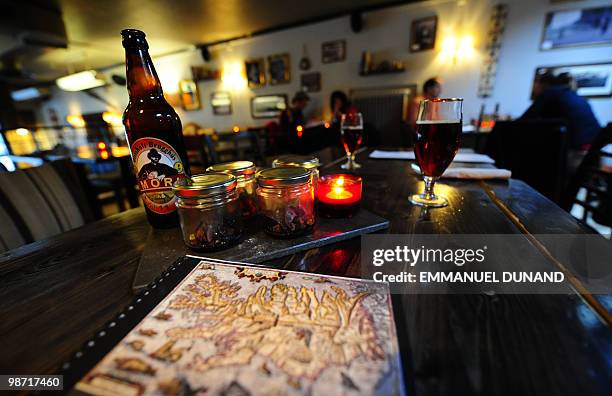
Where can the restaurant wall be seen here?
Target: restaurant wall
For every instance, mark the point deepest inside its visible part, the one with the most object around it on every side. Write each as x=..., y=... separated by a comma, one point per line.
x=386, y=34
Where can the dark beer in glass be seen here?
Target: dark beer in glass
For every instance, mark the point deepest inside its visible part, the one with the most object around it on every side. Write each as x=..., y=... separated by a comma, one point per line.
x=436, y=145
x=437, y=140
x=154, y=134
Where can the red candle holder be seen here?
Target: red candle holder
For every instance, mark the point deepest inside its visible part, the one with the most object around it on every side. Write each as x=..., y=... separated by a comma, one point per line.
x=339, y=195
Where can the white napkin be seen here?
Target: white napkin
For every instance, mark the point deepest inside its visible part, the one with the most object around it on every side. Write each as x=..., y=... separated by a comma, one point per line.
x=476, y=173
x=409, y=155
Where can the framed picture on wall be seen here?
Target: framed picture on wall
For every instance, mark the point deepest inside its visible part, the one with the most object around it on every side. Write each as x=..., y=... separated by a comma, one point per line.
x=594, y=80
x=268, y=106
x=221, y=103
x=577, y=27
x=311, y=82
x=279, y=69
x=256, y=75
x=333, y=51
x=204, y=73
x=423, y=34
x=190, y=97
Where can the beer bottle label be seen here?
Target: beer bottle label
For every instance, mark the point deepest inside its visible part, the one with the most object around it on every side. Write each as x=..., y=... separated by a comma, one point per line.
x=157, y=166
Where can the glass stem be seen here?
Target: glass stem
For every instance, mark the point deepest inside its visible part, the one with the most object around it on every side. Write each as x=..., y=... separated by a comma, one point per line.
x=350, y=160
x=429, y=187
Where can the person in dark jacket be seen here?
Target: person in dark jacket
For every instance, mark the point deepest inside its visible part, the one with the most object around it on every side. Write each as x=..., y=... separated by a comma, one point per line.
x=554, y=98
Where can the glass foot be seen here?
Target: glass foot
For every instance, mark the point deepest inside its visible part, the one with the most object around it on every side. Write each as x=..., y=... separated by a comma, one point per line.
x=431, y=201
x=350, y=166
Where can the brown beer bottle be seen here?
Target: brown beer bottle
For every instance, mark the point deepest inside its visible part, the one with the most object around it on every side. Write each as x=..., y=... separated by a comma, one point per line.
x=154, y=134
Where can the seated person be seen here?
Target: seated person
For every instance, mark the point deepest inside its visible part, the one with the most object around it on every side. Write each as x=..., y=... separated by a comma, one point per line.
x=432, y=89
x=339, y=104
x=293, y=116
x=554, y=98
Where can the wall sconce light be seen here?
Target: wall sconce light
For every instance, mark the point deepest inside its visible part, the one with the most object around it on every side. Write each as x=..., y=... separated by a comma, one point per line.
x=80, y=81
x=457, y=48
x=233, y=76
x=76, y=121
x=113, y=119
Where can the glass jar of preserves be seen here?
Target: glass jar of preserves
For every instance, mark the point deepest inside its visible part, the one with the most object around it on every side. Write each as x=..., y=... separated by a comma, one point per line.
x=209, y=211
x=286, y=201
x=305, y=161
x=244, y=171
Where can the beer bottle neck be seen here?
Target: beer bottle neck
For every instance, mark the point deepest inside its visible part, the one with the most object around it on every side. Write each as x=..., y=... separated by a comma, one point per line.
x=142, y=80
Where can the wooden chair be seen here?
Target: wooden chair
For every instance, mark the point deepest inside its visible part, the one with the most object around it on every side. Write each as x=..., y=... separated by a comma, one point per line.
x=596, y=180
x=535, y=152
x=37, y=203
x=235, y=146
x=196, y=148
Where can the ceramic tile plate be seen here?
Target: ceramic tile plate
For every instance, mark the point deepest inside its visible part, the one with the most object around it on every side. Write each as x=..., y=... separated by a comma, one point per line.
x=235, y=329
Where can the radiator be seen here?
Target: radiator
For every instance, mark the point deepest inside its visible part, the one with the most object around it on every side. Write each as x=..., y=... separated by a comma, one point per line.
x=384, y=113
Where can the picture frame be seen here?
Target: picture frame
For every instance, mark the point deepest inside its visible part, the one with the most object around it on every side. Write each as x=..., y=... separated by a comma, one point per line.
x=204, y=73
x=423, y=33
x=311, y=82
x=255, y=72
x=592, y=80
x=268, y=106
x=221, y=103
x=333, y=51
x=576, y=28
x=189, y=94
x=279, y=69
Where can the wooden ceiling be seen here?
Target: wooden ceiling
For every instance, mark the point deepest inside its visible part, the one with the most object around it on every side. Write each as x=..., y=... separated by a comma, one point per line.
x=92, y=27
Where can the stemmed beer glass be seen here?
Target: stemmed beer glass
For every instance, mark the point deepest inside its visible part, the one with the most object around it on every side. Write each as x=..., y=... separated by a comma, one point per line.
x=351, y=134
x=438, y=136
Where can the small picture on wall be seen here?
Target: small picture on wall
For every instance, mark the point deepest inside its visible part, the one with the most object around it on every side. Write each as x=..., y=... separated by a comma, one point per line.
x=279, y=69
x=570, y=28
x=203, y=73
x=589, y=80
x=268, y=106
x=221, y=103
x=190, y=97
x=423, y=34
x=311, y=82
x=333, y=51
x=256, y=76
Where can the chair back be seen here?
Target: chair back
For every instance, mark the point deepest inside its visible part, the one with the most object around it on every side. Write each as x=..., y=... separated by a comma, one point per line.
x=195, y=146
x=594, y=175
x=235, y=146
x=40, y=202
x=535, y=151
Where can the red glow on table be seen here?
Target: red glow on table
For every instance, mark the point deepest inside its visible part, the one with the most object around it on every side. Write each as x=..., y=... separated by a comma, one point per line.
x=340, y=189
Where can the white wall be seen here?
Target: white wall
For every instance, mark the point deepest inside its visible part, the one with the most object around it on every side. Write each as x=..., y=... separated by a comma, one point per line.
x=386, y=31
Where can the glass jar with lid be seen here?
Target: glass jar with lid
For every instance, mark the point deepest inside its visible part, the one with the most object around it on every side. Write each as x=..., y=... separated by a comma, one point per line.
x=209, y=211
x=286, y=200
x=305, y=161
x=244, y=171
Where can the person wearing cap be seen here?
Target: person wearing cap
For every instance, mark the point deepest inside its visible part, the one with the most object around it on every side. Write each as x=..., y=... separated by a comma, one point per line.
x=293, y=117
x=155, y=169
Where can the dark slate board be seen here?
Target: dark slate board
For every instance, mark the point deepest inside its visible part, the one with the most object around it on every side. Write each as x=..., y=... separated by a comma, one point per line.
x=164, y=246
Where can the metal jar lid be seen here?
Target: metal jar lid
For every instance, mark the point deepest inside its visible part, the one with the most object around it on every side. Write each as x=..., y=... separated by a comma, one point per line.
x=305, y=161
x=204, y=185
x=236, y=168
x=284, y=176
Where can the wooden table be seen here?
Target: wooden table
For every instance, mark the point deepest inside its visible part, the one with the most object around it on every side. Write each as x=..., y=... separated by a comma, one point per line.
x=55, y=293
